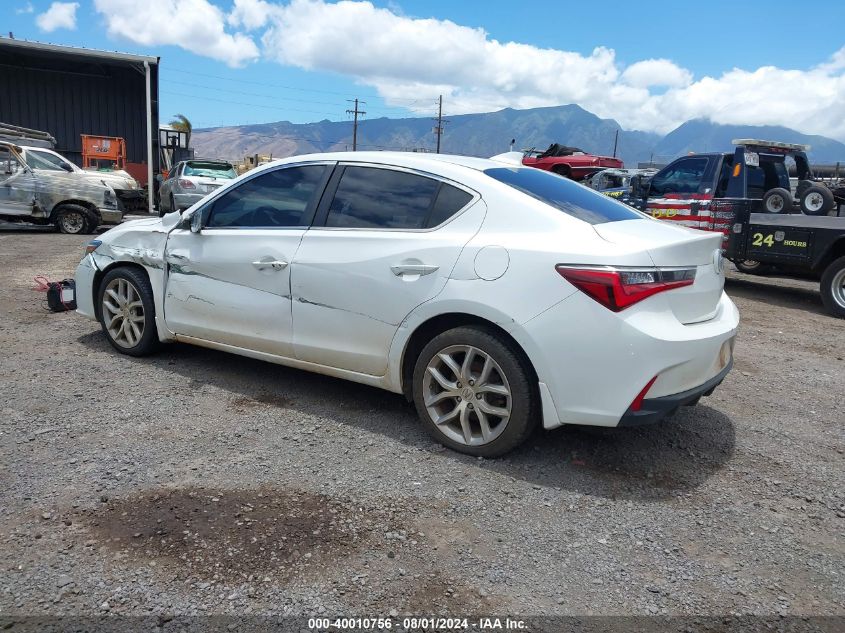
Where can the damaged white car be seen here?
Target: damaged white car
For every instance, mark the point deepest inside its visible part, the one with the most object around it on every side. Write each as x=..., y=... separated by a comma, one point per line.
x=34, y=191
x=497, y=297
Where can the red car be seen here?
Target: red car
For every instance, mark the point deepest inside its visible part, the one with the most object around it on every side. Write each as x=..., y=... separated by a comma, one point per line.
x=569, y=161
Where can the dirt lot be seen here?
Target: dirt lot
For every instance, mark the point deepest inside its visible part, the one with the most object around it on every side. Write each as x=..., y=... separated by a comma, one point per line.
x=195, y=482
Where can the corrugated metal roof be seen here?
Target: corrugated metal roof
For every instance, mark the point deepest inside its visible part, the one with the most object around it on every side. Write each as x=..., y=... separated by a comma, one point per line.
x=76, y=50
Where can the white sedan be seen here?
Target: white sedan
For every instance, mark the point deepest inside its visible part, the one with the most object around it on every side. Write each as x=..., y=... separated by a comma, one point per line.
x=497, y=297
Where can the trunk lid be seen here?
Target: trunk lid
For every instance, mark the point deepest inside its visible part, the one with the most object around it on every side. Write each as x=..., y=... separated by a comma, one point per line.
x=671, y=246
x=206, y=184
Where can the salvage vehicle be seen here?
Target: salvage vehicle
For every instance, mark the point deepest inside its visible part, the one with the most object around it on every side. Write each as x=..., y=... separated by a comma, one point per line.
x=734, y=194
x=190, y=181
x=407, y=272
x=129, y=193
x=616, y=183
x=33, y=190
x=571, y=162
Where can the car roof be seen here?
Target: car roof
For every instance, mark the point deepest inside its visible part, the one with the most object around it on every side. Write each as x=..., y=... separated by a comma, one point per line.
x=416, y=160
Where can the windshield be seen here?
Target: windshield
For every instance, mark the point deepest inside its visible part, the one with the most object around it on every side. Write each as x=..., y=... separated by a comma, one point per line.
x=43, y=160
x=212, y=170
x=561, y=193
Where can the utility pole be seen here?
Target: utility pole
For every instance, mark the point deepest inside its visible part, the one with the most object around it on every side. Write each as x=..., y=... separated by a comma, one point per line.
x=355, y=112
x=615, y=143
x=438, y=130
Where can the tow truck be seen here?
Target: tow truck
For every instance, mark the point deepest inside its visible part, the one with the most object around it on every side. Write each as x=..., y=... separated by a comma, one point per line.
x=748, y=197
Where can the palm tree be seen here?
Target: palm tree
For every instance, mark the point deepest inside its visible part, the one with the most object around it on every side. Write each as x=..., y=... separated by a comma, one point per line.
x=183, y=124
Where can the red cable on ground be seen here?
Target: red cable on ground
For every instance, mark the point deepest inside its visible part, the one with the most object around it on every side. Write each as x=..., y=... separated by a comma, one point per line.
x=43, y=284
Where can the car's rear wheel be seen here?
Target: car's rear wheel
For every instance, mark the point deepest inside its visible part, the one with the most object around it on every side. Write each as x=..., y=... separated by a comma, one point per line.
x=750, y=267
x=173, y=206
x=474, y=392
x=127, y=311
x=833, y=287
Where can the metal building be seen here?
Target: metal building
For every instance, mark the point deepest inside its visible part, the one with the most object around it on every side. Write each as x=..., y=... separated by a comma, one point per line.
x=69, y=91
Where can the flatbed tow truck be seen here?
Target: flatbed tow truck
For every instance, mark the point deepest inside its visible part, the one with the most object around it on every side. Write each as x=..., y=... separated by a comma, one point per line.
x=747, y=196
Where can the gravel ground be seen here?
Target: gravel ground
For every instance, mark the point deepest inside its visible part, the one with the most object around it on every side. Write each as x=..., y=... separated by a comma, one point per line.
x=195, y=482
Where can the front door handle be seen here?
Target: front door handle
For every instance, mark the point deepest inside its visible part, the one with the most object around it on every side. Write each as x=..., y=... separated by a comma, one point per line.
x=413, y=269
x=275, y=264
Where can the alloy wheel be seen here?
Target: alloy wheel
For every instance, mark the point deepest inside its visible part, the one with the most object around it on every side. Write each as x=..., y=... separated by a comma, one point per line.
x=123, y=312
x=467, y=395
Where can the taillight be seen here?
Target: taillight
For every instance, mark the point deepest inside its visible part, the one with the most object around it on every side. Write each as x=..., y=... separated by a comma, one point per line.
x=620, y=288
x=186, y=184
x=637, y=404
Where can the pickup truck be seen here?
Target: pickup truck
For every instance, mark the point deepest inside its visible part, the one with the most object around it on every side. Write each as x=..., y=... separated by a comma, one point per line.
x=747, y=196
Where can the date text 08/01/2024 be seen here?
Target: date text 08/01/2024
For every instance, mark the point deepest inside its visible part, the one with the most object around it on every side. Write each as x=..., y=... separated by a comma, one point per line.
x=415, y=623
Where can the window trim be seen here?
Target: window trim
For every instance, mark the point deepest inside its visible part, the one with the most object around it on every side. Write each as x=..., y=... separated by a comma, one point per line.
x=310, y=211
x=321, y=217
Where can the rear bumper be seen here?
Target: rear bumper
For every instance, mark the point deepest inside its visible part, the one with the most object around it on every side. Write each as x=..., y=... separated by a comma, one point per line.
x=185, y=200
x=656, y=409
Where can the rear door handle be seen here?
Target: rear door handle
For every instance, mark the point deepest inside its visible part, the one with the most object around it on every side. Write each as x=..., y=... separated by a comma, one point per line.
x=274, y=264
x=413, y=269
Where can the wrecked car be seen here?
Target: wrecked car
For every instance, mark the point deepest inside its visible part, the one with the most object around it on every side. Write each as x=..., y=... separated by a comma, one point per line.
x=32, y=190
x=129, y=193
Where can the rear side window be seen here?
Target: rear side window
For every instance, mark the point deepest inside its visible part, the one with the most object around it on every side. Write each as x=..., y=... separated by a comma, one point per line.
x=573, y=199
x=280, y=198
x=376, y=198
x=449, y=201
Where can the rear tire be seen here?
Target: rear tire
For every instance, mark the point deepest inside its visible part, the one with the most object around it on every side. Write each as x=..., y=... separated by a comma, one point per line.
x=832, y=287
x=127, y=311
x=173, y=206
x=751, y=267
x=817, y=200
x=485, y=405
x=777, y=200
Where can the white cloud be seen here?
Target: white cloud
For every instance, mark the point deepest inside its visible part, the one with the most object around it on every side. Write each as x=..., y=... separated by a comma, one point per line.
x=656, y=72
x=195, y=25
x=27, y=8
x=250, y=14
x=407, y=58
x=60, y=15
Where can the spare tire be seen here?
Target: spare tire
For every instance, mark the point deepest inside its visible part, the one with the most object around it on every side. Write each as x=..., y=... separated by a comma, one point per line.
x=777, y=200
x=817, y=200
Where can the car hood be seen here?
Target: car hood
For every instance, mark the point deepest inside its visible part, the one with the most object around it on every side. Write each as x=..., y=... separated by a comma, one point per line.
x=115, y=179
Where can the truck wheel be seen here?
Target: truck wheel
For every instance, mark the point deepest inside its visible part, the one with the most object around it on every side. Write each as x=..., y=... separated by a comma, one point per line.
x=73, y=219
x=833, y=287
x=777, y=200
x=751, y=267
x=817, y=200
x=803, y=185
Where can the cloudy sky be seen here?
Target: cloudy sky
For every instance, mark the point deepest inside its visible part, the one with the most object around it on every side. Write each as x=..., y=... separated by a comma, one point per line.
x=650, y=65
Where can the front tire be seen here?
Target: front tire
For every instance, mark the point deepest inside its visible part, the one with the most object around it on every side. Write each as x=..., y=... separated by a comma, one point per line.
x=474, y=392
x=73, y=219
x=833, y=288
x=127, y=311
x=751, y=267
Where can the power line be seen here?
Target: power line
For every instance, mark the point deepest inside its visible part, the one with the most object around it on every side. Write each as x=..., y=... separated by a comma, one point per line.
x=252, y=105
x=356, y=112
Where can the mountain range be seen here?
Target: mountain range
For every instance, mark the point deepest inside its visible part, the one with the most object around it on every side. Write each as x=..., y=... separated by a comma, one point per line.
x=490, y=133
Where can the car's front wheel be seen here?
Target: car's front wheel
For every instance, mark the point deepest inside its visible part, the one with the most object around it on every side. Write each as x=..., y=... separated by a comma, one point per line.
x=474, y=392
x=127, y=311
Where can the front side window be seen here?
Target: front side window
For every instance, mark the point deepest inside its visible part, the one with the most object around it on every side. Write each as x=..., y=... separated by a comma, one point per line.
x=279, y=198
x=684, y=176
x=9, y=164
x=377, y=198
x=563, y=194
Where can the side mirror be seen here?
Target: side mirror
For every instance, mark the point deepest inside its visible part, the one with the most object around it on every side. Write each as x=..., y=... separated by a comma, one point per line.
x=195, y=219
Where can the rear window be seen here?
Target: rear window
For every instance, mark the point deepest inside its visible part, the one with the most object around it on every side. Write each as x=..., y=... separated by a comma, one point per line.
x=563, y=194
x=212, y=170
